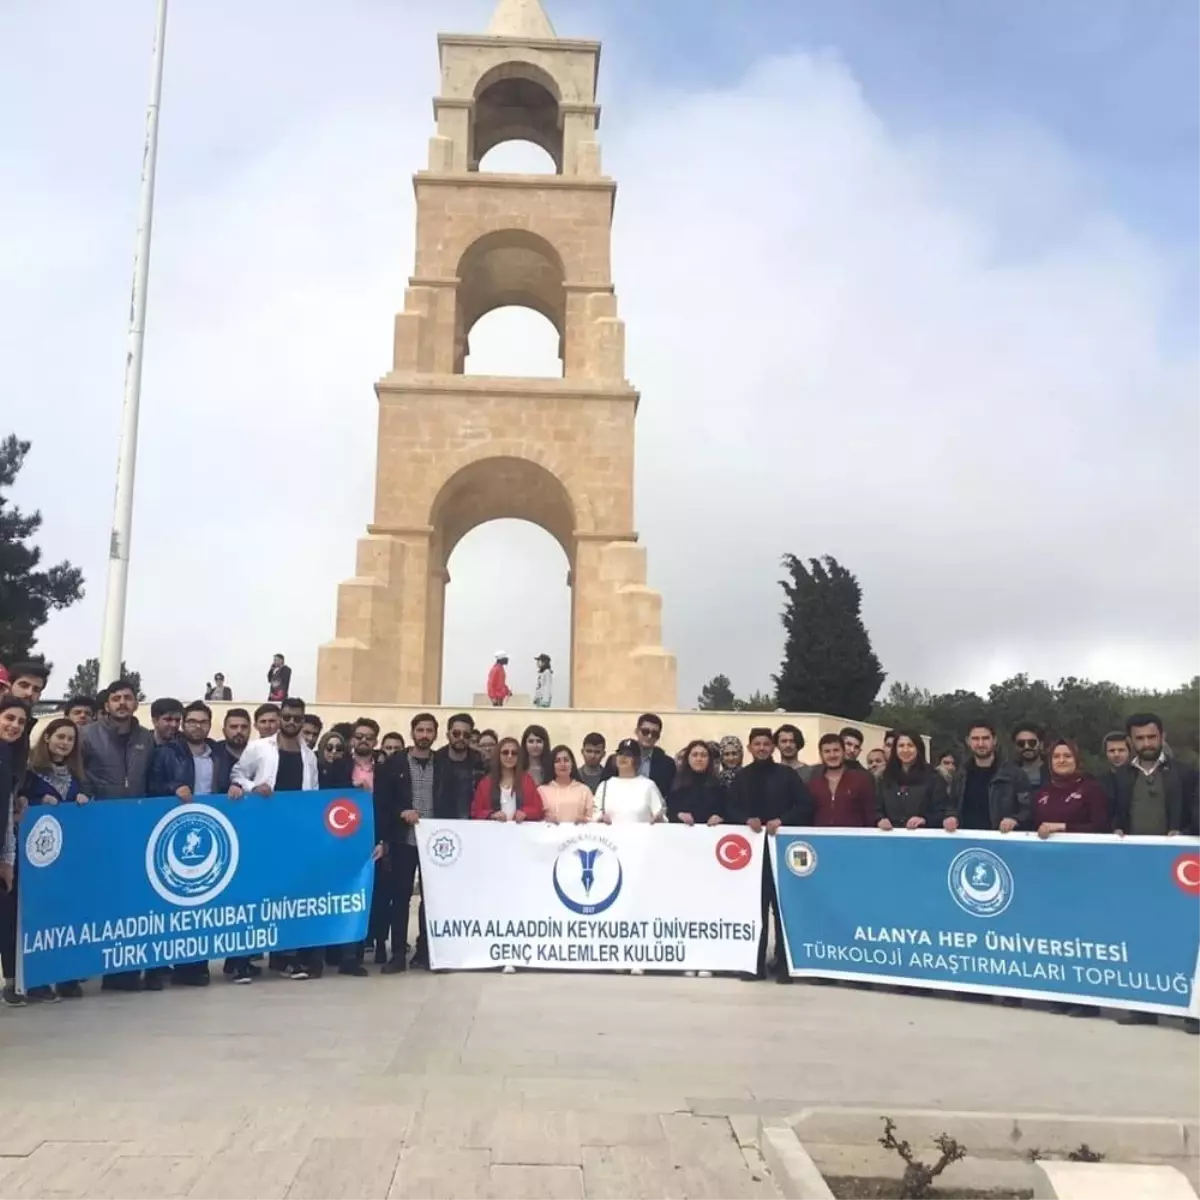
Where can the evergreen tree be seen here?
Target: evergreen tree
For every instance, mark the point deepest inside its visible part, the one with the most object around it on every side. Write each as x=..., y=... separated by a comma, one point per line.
x=756, y=702
x=716, y=695
x=26, y=594
x=86, y=680
x=828, y=664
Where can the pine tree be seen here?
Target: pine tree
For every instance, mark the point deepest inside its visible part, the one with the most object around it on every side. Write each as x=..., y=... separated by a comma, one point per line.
x=828, y=664
x=86, y=680
x=716, y=695
x=26, y=594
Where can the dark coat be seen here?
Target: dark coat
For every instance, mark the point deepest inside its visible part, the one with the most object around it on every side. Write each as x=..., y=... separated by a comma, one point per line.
x=1179, y=783
x=662, y=769
x=899, y=800
x=37, y=790
x=702, y=800
x=784, y=797
x=173, y=765
x=113, y=772
x=1008, y=794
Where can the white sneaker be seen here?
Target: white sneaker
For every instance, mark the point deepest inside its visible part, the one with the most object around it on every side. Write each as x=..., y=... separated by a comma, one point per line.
x=637, y=971
x=689, y=974
x=509, y=970
x=704, y=974
x=298, y=973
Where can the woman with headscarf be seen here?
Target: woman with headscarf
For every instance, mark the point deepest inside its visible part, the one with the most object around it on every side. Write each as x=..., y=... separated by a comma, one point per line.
x=732, y=757
x=1070, y=801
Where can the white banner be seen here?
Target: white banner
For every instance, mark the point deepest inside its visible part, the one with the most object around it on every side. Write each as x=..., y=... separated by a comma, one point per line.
x=591, y=897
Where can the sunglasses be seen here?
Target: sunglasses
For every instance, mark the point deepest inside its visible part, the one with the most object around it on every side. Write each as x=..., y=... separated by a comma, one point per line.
x=1026, y=743
x=650, y=732
x=508, y=752
x=335, y=747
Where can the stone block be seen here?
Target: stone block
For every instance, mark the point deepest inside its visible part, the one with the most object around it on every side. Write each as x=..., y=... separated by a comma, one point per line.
x=1109, y=1181
x=536, y=1183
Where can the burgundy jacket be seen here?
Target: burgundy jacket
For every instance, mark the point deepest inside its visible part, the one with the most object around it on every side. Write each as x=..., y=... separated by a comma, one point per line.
x=1078, y=803
x=853, y=805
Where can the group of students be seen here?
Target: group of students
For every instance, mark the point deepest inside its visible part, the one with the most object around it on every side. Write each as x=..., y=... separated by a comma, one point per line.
x=97, y=750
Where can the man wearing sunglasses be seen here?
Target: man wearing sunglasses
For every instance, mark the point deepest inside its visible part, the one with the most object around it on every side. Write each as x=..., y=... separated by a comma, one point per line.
x=1028, y=740
x=656, y=764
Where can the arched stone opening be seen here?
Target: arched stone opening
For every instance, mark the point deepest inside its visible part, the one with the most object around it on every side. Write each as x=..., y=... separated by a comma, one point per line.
x=517, y=101
x=507, y=268
x=486, y=490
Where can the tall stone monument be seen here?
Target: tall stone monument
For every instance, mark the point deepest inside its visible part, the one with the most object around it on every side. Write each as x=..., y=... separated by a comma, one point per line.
x=455, y=451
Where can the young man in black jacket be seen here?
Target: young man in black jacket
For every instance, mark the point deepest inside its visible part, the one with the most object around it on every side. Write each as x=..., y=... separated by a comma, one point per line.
x=767, y=795
x=656, y=764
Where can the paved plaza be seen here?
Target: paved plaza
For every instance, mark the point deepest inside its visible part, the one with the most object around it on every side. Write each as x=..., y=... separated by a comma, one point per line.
x=552, y=1085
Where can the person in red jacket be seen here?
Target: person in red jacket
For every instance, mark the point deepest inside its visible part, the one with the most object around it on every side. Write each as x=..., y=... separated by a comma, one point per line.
x=1070, y=801
x=497, y=681
x=841, y=796
x=507, y=793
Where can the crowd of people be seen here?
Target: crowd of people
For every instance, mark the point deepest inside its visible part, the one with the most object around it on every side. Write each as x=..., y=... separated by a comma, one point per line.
x=96, y=749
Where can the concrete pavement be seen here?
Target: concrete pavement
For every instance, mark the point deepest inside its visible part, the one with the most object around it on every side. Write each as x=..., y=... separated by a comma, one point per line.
x=516, y=1085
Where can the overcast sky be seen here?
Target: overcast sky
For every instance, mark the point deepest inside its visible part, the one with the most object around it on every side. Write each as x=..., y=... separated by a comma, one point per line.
x=910, y=284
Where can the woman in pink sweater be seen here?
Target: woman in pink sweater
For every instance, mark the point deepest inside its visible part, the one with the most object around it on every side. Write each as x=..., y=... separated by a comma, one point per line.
x=566, y=798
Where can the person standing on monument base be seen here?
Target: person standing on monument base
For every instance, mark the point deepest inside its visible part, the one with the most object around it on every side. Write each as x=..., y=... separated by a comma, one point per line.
x=543, y=692
x=498, y=690
x=767, y=795
x=279, y=680
x=986, y=792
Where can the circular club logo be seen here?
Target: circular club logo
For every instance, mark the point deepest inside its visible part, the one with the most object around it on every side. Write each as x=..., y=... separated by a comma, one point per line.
x=733, y=852
x=1186, y=873
x=587, y=875
x=444, y=848
x=43, y=843
x=191, y=855
x=800, y=858
x=342, y=817
x=980, y=882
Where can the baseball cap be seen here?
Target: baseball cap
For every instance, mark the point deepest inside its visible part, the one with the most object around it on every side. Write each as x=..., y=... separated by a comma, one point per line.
x=630, y=747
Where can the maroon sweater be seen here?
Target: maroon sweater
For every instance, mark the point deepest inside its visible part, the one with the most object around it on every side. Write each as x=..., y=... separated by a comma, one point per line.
x=851, y=806
x=1078, y=803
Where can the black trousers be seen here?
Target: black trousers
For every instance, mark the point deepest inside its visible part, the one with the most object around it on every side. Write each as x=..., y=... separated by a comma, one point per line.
x=380, y=920
x=770, y=902
x=8, y=928
x=403, y=874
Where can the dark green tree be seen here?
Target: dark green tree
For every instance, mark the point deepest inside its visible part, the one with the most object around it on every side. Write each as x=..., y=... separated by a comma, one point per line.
x=86, y=680
x=716, y=695
x=828, y=664
x=27, y=594
x=756, y=702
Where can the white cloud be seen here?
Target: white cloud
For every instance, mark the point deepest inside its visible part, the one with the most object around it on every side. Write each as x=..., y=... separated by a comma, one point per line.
x=939, y=361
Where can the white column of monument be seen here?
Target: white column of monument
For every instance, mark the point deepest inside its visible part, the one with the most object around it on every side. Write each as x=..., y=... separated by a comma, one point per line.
x=111, y=645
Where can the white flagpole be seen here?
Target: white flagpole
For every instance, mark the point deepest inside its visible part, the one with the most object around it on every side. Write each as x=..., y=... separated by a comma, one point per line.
x=111, y=647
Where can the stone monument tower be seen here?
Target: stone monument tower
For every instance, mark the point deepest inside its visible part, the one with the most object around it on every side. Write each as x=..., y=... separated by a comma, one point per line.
x=455, y=451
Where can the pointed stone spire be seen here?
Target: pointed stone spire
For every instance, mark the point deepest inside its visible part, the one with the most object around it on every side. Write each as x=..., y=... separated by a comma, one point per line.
x=521, y=19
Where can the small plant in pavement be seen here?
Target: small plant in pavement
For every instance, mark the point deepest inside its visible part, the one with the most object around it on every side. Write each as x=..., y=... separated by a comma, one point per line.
x=917, y=1182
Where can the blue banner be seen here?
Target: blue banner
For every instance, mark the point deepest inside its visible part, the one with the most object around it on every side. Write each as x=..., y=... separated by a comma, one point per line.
x=126, y=885
x=1086, y=919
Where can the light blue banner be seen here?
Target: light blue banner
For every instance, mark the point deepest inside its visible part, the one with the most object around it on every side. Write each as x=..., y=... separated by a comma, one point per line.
x=126, y=885
x=1087, y=919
